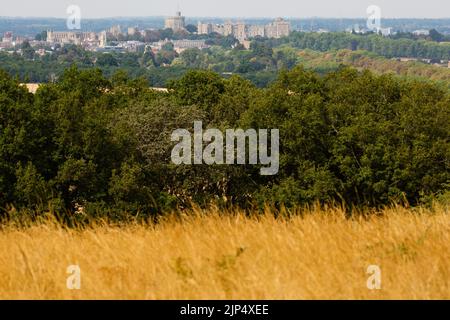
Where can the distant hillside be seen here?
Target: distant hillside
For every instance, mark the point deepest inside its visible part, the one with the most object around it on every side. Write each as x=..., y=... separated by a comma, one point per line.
x=325, y=62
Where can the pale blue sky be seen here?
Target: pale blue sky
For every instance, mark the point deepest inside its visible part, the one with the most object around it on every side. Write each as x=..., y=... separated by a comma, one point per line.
x=229, y=8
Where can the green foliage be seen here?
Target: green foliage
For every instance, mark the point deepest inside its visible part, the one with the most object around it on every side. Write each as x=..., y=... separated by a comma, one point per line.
x=27, y=51
x=356, y=137
x=104, y=144
x=201, y=88
x=166, y=55
x=107, y=60
x=191, y=28
x=260, y=64
x=386, y=47
x=31, y=189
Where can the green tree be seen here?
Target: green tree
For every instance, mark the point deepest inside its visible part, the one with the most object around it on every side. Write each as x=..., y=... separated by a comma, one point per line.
x=202, y=88
x=191, y=28
x=107, y=60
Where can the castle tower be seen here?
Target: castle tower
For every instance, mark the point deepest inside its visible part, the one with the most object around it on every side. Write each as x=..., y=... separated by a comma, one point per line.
x=176, y=23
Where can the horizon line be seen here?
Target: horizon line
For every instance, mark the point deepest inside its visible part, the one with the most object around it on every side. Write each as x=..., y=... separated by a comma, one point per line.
x=226, y=17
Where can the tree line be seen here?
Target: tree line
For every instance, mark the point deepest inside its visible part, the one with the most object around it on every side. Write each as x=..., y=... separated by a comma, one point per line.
x=383, y=46
x=103, y=143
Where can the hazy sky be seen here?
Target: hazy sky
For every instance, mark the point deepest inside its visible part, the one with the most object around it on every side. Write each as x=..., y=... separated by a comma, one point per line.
x=228, y=8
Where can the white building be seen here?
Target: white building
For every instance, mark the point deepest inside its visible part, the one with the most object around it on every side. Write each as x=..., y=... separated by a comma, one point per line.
x=177, y=23
x=204, y=28
x=180, y=45
x=71, y=37
x=277, y=29
x=385, y=32
x=422, y=32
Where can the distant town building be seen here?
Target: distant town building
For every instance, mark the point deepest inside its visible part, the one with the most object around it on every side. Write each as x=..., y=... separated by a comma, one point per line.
x=103, y=39
x=357, y=29
x=132, y=46
x=386, y=32
x=8, y=37
x=133, y=31
x=85, y=39
x=277, y=29
x=421, y=32
x=114, y=31
x=240, y=31
x=19, y=40
x=7, y=41
x=256, y=31
x=31, y=87
x=176, y=23
x=228, y=28
x=204, y=28
x=180, y=45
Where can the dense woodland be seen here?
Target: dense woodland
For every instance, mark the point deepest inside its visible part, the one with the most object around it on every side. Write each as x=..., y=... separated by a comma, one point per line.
x=103, y=143
x=383, y=46
x=260, y=64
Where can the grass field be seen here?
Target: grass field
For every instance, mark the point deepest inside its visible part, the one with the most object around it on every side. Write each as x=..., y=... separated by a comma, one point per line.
x=315, y=254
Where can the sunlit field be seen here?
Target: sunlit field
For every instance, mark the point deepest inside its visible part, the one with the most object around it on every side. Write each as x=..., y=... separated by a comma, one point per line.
x=309, y=254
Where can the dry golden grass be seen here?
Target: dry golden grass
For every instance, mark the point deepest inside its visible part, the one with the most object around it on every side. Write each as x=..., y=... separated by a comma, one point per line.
x=319, y=254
